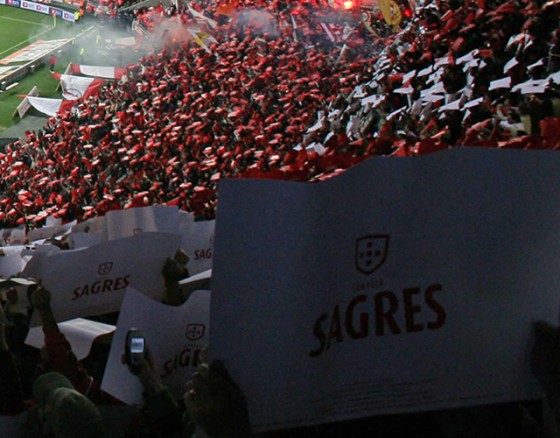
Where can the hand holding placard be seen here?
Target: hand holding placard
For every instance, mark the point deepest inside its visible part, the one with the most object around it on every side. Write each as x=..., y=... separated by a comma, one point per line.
x=216, y=403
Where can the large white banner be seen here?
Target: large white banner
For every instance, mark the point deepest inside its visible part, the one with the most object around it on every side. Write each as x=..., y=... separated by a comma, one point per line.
x=45, y=105
x=77, y=87
x=92, y=281
x=49, y=231
x=100, y=71
x=176, y=337
x=401, y=285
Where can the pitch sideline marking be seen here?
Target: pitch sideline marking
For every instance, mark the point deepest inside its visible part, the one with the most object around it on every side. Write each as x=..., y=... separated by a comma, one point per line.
x=28, y=40
x=24, y=21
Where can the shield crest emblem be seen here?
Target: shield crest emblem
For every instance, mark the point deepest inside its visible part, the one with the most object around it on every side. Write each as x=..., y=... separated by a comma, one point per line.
x=195, y=331
x=105, y=268
x=371, y=252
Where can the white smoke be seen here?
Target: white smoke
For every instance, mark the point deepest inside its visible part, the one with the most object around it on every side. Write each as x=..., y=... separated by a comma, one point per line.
x=259, y=21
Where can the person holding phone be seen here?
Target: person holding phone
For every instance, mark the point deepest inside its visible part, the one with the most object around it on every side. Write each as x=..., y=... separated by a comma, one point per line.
x=160, y=415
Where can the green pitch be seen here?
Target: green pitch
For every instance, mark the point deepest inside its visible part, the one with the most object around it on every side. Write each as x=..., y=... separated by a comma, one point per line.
x=18, y=29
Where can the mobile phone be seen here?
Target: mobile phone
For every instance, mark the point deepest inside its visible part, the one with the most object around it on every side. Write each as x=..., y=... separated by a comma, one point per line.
x=135, y=348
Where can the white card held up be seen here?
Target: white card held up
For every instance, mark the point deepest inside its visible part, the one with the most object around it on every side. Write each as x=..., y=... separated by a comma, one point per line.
x=176, y=336
x=198, y=242
x=500, y=83
x=79, y=332
x=416, y=292
x=132, y=221
x=92, y=281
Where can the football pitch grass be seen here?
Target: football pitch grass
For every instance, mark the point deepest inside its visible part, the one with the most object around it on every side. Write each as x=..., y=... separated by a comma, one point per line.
x=18, y=29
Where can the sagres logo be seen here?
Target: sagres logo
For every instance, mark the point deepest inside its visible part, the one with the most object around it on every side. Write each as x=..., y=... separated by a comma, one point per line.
x=105, y=268
x=371, y=252
x=195, y=331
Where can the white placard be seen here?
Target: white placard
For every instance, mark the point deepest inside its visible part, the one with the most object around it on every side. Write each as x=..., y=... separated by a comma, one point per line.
x=374, y=99
x=467, y=57
x=86, y=240
x=531, y=86
x=93, y=225
x=17, y=237
x=404, y=90
x=450, y=106
x=500, y=83
x=473, y=103
x=33, y=268
x=11, y=265
x=41, y=233
x=198, y=242
x=510, y=64
x=52, y=221
x=408, y=76
x=175, y=336
x=92, y=281
x=79, y=332
x=416, y=292
x=206, y=275
x=132, y=221
x=425, y=71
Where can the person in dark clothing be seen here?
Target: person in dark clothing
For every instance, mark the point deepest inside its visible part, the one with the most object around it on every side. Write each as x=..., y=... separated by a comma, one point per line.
x=539, y=108
x=11, y=394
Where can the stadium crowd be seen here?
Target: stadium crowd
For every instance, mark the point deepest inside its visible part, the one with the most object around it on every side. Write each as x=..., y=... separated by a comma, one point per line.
x=266, y=92
x=261, y=89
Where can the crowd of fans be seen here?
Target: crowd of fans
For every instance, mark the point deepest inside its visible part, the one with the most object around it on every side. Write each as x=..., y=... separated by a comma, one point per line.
x=108, y=9
x=52, y=394
x=260, y=89
x=55, y=395
x=267, y=93
x=466, y=49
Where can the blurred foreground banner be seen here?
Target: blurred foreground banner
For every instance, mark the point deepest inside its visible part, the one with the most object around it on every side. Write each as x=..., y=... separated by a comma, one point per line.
x=402, y=285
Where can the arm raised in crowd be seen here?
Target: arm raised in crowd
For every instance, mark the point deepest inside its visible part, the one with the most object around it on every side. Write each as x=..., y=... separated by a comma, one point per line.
x=161, y=414
x=57, y=353
x=174, y=270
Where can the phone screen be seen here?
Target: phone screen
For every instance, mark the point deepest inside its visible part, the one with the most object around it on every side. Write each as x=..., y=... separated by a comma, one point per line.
x=137, y=345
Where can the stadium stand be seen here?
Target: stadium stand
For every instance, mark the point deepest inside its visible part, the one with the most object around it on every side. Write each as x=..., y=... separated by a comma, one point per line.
x=269, y=94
